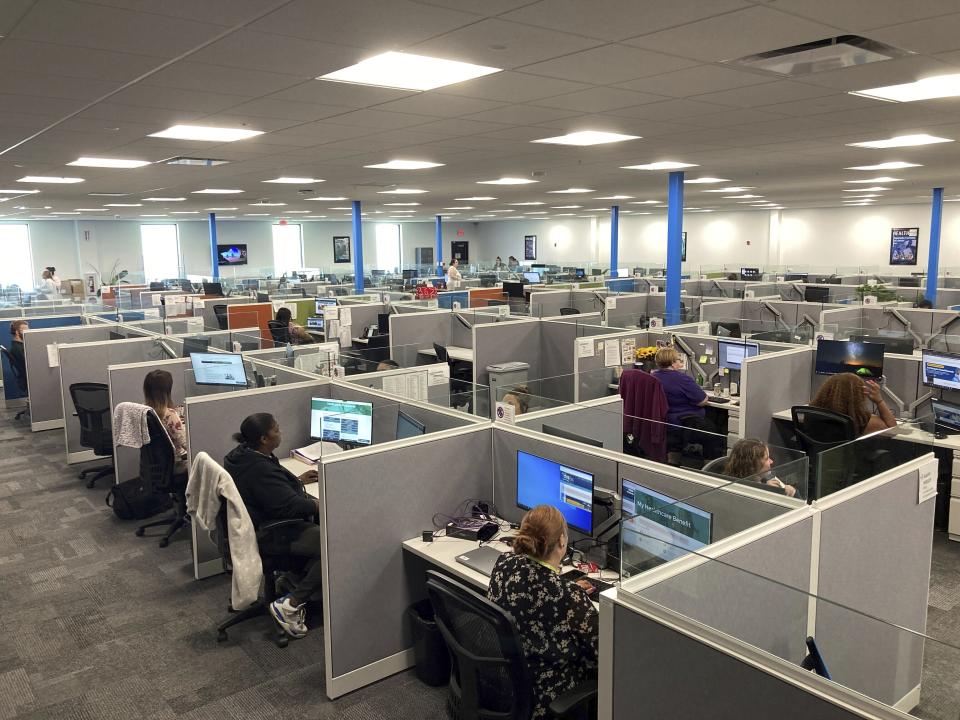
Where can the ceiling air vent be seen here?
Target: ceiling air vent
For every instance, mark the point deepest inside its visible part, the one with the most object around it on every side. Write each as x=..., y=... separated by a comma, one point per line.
x=821, y=56
x=202, y=162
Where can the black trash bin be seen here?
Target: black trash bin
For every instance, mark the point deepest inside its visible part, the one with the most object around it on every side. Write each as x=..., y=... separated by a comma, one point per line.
x=429, y=650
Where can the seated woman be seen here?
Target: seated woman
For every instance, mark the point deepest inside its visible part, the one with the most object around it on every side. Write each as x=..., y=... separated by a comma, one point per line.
x=271, y=492
x=558, y=624
x=519, y=398
x=157, y=386
x=684, y=397
x=845, y=394
x=296, y=335
x=751, y=459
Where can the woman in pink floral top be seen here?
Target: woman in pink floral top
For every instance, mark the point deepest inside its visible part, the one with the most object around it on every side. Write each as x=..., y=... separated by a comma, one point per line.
x=157, y=386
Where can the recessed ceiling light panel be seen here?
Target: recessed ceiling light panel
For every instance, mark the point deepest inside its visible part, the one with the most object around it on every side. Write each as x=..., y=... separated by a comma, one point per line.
x=195, y=161
x=901, y=141
x=164, y=199
x=585, y=138
x=51, y=180
x=896, y=165
x=476, y=198
x=216, y=191
x=704, y=181
x=408, y=72
x=929, y=88
x=571, y=191
x=294, y=181
x=108, y=163
x=405, y=165
x=402, y=191
x=507, y=181
x=662, y=165
x=206, y=134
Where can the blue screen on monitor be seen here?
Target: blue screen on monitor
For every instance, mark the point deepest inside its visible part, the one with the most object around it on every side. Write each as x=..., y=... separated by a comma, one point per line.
x=447, y=299
x=545, y=482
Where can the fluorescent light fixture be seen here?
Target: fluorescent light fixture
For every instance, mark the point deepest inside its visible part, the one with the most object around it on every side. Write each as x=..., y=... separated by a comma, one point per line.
x=344, y=207
x=223, y=208
x=585, y=138
x=565, y=207
x=874, y=188
x=564, y=214
x=402, y=191
x=705, y=181
x=662, y=165
x=266, y=204
x=901, y=141
x=534, y=212
x=735, y=189
x=502, y=211
x=216, y=191
x=862, y=197
x=163, y=199
x=571, y=191
x=108, y=163
x=185, y=212
x=108, y=194
x=507, y=181
x=297, y=212
x=90, y=209
x=195, y=161
x=460, y=207
x=64, y=212
x=401, y=204
x=52, y=180
x=647, y=202
x=525, y=203
x=408, y=72
x=206, y=134
x=929, y=88
x=874, y=180
x=156, y=215
x=294, y=181
x=328, y=199
x=256, y=214
x=405, y=165
x=18, y=192
x=737, y=197
x=895, y=165
x=123, y=205
x=315, y=216
x=615, y=197
x=478, y=197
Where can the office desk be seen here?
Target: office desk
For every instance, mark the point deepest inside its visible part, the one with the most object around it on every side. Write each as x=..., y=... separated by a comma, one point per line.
x=947, y=451
x=441, y=554
x=298, y=467
x=360, y=341
x=454, y=352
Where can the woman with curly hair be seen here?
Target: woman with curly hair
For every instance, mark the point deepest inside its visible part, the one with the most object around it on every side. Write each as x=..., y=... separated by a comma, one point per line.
x=845, y=393
x=751, y=459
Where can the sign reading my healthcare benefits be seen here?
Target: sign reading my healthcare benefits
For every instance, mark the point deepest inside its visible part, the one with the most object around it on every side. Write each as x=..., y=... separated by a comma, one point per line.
x=903, y=246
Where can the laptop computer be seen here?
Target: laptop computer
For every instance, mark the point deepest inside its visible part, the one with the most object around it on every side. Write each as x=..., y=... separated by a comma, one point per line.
x=946, y=418
x=481, y=559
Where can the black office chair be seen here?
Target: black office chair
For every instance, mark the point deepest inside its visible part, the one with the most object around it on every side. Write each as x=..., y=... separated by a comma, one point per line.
x=19, y=378
x=221, y=312
x=496, y=303
x=279, y=332
x=461, y=378
x=92, y=403
x=378, y=348
x=276, y=572
x=157, y=461
x=819, y=431
x=716, y=465
x=569, y=311
x=489, y=678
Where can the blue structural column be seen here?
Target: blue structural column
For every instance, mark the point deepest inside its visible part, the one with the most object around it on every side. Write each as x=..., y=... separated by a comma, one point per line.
x=357, y=248
x=214, y=256
x=439, y=257
x=614, y=239
x=674, y=245
x=933, y=258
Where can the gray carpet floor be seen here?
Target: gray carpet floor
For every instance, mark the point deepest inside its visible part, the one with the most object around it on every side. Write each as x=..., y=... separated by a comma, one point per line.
x=97, y=624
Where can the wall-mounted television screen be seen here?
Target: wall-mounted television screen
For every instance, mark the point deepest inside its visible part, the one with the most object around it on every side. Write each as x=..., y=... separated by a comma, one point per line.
x=231, y=255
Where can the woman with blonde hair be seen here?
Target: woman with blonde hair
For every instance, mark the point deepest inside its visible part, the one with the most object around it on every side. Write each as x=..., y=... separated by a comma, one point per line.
x=558, y=624
x=751, y=459
x=845, y=394
x=684, y=397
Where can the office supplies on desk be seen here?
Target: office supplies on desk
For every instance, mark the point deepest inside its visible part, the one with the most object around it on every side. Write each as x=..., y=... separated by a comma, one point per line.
x=473, y=529
x=481, y=559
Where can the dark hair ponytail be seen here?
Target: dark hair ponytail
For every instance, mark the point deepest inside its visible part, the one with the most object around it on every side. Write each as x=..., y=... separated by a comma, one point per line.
x=253, y=428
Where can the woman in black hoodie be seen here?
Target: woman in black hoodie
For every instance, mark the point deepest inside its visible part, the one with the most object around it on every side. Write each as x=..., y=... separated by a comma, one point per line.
x=270, y=492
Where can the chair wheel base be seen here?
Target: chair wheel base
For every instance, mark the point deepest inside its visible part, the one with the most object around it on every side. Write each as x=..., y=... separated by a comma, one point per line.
x=139, y=532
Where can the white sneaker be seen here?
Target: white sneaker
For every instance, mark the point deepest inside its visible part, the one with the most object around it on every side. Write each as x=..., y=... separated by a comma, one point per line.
x=290, y=617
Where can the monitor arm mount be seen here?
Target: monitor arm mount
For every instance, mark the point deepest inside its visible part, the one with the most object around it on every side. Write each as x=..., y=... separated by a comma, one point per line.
x=942, y=328
x=603, y=305
x=799, y=290
x=906, y=324
x=688, y=351
x=777, y=315
x=166, y=349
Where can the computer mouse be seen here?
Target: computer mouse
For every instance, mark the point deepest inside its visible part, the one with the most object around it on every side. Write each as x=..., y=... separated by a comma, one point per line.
x=940, y=435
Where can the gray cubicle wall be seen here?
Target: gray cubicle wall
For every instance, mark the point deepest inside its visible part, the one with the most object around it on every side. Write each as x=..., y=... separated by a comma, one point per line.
x=88, y=362
x=391, y=498
x=126, y=385
x=46, y=401
x=730, y=310
x=875, y=556
x=770, y=383
x=547, y=303
x=557, y=338
x=365, y=314
x=416, y=331
x=515, y=341
x=947, y=297
x=600, y=420
x=593, y=375
x=629, y=310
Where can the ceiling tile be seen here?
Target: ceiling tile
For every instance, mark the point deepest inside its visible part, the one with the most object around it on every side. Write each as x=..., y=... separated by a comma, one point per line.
x=599, y=99
x=618, y=19
x=726, y=37
x=729, y=118
x=196, y=76
x=608, y=64
x=934, y=35
x=274, y=53
x=669, y=110
x=522, y=115
x=80, y=89
x=21, y=56
x=435, y=105
x=271, y=107
x=518, y=44
x=696, y=80
x=513, y=87
x=218, y=12
x=860, y=15
x=488, y=8
x=11, y=12
x=333, y=93
x=175, y=99
x=886, y=72
x=766, y=94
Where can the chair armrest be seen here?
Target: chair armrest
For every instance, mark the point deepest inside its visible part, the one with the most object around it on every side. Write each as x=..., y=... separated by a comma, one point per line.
x=270, y=527
x=575, y=704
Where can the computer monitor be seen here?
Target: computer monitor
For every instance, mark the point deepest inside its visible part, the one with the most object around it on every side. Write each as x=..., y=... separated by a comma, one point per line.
x=843, y=356
x=154, y=286
x=116, y=336
x=913, y=282
x=730, y=355
x=532, y=277
x=325, y=302
x=898, y=345
x=407, y=427
x=658, y=528
x=545, y=482
x=816, y=294
x=262, y=297
x=580, y=273
x=195, y=345
x=409, y=274
x=796, y=277
x=331, y=279
x=946, y=416
x=213, y=288
x=383, y=323
x=513, y=289
x=341, y=421
x=218, y=369
x=940, y=370
x=623, y=272
x=567, y=435
x=186, y=285
x=726, y=328
x=749, y=273
x=315, y=322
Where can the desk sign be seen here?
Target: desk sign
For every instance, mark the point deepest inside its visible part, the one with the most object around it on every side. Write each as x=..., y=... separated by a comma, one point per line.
x=869, y=299
x=656, y=323
x=610, y=303
x=505, y=412
x=654, y=289
x=928, y=481
x=749, y=294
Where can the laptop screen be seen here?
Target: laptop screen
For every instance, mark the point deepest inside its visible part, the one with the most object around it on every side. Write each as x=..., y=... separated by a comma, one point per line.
x=946, y=414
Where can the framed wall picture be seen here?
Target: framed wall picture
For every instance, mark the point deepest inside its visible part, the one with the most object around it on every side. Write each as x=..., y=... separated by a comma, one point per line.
x=529, y=247
x=341, y=248
x=460, y=250
x=683, y=246
x=903, y=246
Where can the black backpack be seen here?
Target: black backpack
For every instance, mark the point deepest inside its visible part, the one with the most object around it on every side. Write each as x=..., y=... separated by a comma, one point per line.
x=132, y=500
